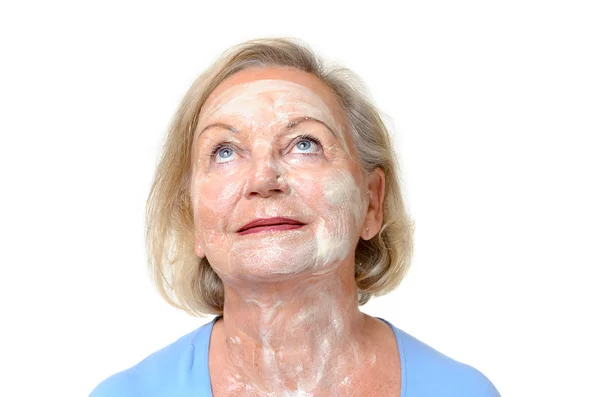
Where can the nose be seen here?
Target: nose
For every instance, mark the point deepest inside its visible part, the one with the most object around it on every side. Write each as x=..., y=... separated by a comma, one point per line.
x=265, y=179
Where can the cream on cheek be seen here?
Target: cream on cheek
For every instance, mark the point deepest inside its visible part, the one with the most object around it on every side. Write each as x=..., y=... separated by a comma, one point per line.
x=215, y=197
x=339, y=207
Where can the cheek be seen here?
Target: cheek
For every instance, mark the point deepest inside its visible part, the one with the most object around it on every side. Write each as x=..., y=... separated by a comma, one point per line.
x=333, y=194
x=213, y=201
x=335, y=199
x=344, y=195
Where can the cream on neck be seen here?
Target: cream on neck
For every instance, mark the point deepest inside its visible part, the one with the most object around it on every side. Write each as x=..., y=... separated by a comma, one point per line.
x=304, y=339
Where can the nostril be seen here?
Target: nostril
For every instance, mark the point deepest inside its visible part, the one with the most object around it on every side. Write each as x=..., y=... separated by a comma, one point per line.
x=260, y=192
x=266, y=182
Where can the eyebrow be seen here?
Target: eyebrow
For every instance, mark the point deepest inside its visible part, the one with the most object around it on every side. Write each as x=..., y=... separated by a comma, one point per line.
x=293, y=123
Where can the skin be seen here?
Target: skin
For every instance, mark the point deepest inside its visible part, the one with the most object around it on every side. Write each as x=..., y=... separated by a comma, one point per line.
x=291, y=324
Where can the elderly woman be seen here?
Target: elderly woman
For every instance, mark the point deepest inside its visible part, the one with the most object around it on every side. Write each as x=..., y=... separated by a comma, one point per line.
x=277, y=207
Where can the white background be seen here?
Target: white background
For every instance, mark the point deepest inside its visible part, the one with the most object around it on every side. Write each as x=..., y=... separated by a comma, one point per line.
x=495, y=107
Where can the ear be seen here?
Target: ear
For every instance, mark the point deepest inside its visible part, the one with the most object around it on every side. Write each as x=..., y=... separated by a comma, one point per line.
x=376, y=191
x=199, y=245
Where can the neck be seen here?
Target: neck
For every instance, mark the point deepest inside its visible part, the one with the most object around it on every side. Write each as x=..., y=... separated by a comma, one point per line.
x=294, y=337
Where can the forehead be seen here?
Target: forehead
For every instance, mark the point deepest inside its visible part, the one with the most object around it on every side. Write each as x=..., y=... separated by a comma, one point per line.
x=291, y=86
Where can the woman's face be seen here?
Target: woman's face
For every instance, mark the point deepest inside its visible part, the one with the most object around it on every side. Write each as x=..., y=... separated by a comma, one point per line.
x=270, y=143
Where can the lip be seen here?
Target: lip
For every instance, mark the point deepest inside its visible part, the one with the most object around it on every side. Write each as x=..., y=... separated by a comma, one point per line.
x=277, y=223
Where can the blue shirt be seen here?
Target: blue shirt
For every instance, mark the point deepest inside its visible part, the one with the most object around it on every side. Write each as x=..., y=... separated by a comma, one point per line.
x=181, y=370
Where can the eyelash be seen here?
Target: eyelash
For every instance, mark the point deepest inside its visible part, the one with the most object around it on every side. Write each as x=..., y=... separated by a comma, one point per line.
x=302, y=137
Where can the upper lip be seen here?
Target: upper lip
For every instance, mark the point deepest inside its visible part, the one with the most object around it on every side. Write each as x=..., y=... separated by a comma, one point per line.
x=270, y=221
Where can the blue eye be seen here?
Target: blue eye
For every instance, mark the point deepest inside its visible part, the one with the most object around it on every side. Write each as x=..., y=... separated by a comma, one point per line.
x=304, y=144
x=223, y=154
x=308, y=144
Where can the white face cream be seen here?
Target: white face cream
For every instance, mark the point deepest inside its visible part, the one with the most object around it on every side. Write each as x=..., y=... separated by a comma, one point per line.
x=265, y=169
x=275, y=148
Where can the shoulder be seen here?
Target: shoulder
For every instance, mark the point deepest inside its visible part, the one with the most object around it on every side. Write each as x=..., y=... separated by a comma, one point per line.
x=428, y=372
x=162, y=373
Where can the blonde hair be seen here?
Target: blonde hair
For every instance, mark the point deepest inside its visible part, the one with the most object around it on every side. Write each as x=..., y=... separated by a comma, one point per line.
x=188, y=282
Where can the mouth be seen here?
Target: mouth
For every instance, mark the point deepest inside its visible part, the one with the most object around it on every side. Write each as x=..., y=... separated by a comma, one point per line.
x=270, y=224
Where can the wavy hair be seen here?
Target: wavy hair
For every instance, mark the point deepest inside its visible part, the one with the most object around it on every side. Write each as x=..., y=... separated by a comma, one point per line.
x=188, y=282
